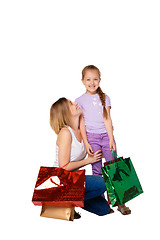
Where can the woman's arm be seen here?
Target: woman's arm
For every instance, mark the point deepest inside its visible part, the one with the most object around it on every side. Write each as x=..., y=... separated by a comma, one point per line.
x=64, y=143
x=109, y=128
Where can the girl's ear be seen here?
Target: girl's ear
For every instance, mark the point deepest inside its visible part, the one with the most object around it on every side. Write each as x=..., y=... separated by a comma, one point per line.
x=82, y=81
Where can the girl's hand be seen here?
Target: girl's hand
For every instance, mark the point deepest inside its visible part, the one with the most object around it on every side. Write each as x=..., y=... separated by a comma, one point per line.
x=96, y=157
x=112, y=145
x=89, y=149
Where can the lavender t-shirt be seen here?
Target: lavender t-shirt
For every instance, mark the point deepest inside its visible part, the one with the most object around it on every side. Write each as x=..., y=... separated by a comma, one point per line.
x=93, y=112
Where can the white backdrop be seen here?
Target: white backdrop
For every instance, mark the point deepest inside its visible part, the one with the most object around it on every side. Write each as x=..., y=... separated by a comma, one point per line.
x=43, y=47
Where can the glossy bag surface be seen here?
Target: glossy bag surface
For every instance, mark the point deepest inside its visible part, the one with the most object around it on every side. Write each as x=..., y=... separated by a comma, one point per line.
x=59, y=187
x=64, y=213
x=121, y=181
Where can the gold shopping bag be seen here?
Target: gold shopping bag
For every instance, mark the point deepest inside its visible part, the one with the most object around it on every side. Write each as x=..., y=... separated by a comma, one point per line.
x=64, y=213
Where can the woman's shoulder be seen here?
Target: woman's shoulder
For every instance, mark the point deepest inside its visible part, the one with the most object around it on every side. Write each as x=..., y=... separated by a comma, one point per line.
x=64, y=136
x=65, y=132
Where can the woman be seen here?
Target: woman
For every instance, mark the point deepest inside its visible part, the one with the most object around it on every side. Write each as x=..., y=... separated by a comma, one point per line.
x=70, y=153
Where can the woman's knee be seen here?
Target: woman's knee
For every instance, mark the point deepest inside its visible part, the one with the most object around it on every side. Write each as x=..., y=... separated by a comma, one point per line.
x=95, y=184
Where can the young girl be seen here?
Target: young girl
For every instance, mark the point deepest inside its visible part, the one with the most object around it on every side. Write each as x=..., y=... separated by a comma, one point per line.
x=96, y=124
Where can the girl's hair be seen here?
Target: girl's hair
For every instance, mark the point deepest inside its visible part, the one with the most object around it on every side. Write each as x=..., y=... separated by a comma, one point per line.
x=101, y=94
x=60, y=115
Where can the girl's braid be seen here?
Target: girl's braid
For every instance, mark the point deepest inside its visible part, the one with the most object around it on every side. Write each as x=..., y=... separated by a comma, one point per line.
x=102, y=97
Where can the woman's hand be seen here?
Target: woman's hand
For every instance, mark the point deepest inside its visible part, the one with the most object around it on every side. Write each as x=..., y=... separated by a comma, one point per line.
x=112, y=145
x=89, y=149
x=96, y=157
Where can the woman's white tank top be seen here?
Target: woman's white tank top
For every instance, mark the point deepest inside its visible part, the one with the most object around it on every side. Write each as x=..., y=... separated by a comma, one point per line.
x=78, y=151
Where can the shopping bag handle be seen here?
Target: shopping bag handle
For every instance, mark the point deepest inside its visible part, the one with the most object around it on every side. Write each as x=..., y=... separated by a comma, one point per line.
x=114, y=155
x=65, y=165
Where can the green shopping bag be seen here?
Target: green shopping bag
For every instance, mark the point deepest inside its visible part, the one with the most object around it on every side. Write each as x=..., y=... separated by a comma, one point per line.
x=121, y=180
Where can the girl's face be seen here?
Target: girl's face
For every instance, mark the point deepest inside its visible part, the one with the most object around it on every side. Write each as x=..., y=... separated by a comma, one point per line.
x=75, y=110
x=91, y=81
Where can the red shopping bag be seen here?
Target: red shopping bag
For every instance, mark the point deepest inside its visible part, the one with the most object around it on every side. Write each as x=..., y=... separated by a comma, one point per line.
x=59, y=187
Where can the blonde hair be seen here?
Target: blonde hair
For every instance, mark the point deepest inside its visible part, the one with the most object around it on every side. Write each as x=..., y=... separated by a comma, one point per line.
x=60, y=115
x=101, y=94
